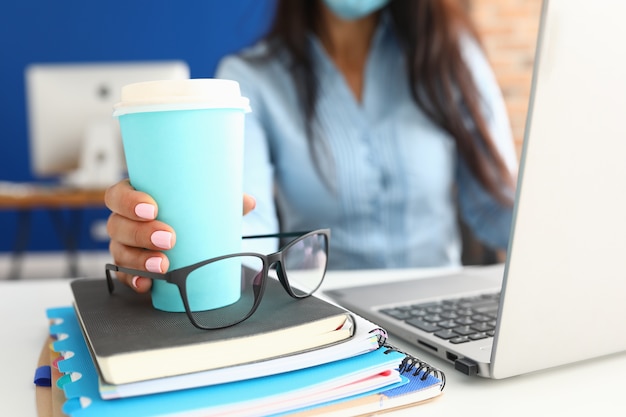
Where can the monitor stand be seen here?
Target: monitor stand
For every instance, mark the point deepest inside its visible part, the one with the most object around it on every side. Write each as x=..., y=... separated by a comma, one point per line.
x=101, y=161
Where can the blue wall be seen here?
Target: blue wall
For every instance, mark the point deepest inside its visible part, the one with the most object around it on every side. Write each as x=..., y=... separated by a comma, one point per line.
x=199, y=32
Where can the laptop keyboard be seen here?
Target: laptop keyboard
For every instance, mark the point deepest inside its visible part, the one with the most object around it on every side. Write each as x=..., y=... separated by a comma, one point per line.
x=457, y=320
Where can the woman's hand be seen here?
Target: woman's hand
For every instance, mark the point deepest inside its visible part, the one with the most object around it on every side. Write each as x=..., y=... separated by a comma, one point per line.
x=136, y=237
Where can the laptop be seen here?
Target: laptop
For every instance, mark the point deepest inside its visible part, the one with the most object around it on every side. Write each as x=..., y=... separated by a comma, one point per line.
x=560, y=297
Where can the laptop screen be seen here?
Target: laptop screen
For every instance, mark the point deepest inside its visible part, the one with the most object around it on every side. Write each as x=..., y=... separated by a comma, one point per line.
x=566, y=256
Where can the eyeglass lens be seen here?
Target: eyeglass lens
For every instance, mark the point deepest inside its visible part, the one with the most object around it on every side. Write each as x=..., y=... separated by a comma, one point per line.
x=246, y=270
x=303, y=266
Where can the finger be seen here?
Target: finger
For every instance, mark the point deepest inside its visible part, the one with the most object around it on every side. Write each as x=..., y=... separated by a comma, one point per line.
x=140, y=259
x=123, y=199
x=249, y=203
x=137, y=283
x=152, y=235
x=137, y=258
x=141, y=284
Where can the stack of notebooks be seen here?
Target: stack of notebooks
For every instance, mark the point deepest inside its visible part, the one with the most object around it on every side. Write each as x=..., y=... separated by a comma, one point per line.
x=120, y=356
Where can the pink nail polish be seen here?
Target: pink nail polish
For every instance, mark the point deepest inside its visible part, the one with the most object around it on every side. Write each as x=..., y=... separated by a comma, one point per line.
x=154, y=264
x=145, y=211
x=134, y=281
x=162, y=239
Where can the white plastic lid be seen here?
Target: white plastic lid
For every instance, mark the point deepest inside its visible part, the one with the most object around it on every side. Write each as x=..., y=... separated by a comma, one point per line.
x=191, y=94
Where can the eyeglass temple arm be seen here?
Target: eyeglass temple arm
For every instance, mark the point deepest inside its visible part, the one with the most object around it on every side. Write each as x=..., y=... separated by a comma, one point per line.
x=283, y=234
x=146, y=274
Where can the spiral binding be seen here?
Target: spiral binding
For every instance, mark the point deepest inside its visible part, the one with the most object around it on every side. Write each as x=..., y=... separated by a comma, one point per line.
x=410, y=363
x=381, y=334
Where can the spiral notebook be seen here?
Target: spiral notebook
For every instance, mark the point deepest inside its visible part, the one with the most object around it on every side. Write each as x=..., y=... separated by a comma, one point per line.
x=421, y=384
x=363, y=375
x=564, y=286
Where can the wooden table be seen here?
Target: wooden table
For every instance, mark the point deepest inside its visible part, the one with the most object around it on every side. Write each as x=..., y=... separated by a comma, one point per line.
x=26, y=197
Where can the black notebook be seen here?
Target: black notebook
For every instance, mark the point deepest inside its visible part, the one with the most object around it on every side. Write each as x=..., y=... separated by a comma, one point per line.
x=132, y=341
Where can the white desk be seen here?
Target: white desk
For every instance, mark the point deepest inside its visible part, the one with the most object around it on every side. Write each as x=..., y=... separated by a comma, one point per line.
x=595, y=387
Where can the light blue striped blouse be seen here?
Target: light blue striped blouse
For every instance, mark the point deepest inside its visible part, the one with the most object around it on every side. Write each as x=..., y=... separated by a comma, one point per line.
x=393, y=173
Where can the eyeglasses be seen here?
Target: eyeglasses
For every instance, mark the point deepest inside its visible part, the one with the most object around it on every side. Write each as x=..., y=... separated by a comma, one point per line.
x=300, y=266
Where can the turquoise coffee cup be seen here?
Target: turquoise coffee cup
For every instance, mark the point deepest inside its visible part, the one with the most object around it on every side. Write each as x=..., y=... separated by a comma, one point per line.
x=183, y=143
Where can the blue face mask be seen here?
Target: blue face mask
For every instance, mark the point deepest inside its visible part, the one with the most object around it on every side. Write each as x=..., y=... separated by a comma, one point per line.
x=355, y=9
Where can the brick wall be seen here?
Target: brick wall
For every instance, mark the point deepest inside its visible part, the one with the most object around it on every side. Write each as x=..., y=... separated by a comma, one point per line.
x=509, y=33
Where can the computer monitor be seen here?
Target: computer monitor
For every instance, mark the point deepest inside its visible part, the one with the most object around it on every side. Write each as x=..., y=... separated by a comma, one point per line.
x=72, y=134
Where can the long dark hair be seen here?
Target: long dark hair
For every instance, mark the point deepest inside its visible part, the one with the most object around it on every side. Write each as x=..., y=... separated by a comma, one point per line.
x=430, y=33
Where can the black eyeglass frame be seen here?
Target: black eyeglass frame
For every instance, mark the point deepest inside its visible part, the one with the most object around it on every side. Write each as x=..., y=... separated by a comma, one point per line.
x=179, y=276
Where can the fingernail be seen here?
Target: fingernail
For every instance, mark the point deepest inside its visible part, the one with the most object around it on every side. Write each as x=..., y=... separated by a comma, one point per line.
x=162, y=239
x=154, y=264
x=145, y=211
x=134, y=281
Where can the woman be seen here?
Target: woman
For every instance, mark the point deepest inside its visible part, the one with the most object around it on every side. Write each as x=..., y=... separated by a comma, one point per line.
x=376, y=119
